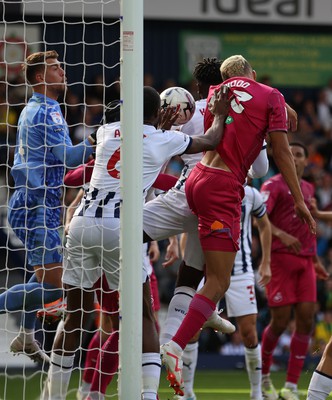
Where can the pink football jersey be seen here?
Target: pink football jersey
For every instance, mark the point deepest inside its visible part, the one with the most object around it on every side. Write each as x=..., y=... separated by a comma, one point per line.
x=255, y=111
x=280, y=207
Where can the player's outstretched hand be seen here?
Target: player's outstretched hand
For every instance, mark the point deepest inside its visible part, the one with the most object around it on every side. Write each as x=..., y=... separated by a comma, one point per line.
x=302, y=212
x=220, y=101
x=168, y=116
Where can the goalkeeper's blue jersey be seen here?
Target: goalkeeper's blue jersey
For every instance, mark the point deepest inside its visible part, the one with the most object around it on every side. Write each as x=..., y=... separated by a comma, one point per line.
x=41, y=128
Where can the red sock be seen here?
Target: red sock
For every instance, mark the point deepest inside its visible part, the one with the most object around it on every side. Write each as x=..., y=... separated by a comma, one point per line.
x=298, y=350
x=200, y=309
x=269, y=343
x=106, y=365
x=91, y=357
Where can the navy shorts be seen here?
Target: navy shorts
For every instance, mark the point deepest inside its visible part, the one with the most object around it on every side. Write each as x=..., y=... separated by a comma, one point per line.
x=36, y=222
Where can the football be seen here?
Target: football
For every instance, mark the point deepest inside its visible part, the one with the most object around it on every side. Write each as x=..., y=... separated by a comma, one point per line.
x=178, y=95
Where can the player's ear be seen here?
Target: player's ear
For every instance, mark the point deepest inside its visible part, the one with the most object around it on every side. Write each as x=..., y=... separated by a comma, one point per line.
x=40, y=77
x=254, y=75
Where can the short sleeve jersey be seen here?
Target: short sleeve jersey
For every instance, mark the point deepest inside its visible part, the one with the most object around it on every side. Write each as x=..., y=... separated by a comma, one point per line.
x=195, y=127
x=103, y=197
x=255, y=111
x=41, y=127
x=280, y=207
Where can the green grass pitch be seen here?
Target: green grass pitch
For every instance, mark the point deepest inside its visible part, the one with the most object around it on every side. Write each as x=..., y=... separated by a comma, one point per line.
x=209, y=385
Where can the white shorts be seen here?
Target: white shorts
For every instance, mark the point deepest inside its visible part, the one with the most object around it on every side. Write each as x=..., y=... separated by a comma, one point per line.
x=169, y=215
x=92, y=249
x=240, y=296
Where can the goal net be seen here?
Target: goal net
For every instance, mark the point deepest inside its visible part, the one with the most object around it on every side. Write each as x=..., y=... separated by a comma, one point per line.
x=99, y=43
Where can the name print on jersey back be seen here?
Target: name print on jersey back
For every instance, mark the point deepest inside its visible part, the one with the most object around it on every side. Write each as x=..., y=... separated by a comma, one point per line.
x=104, y=192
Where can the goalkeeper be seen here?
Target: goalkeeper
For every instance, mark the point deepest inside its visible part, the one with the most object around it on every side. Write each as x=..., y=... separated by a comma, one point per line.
x=43, y=151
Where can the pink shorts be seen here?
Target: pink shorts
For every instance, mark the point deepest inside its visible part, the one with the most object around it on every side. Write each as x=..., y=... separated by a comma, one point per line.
x=215, y=196
x=293, y=280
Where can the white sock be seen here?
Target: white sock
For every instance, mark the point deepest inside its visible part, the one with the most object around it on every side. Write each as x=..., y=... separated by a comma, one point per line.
x=292, y=386
x=253, y=359
x=189, y=358
x=59, y=375
x=177, y=310
x=320, y=386
x=151, y=366
x=27, y=335
x=45, y=393
x=85, y=388
x=96, y=396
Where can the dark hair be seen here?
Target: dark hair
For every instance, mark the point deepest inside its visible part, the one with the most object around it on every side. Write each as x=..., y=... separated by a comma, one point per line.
x=111, y=112
x=208, y=71
x=152, y=102
x=35, y=63
x=303, y=146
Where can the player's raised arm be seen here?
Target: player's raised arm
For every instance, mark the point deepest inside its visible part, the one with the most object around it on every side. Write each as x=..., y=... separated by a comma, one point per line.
x=220, y=108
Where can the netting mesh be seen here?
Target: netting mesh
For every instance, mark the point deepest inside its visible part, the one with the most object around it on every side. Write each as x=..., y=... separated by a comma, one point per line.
x=86, y=35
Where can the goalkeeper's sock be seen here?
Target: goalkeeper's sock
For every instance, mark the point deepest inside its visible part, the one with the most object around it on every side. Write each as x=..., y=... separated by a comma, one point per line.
x=29, y=296
x=177, y=310
x=59, y=375
x=28, y=319
x=151, y=365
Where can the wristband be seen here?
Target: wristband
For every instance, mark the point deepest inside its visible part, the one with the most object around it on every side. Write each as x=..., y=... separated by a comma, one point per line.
x=93, y=136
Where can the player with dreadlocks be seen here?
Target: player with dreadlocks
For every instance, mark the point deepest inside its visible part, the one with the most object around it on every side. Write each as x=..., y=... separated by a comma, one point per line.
x=169, y=215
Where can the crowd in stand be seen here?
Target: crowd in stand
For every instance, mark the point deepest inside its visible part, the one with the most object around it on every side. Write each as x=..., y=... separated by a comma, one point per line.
x=84, y=113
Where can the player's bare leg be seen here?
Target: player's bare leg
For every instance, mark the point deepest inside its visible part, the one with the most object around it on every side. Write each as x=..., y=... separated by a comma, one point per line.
x=218, y=271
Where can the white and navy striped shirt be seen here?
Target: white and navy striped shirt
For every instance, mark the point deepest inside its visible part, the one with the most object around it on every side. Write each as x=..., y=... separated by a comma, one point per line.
x=103, y=197
x=252, y=204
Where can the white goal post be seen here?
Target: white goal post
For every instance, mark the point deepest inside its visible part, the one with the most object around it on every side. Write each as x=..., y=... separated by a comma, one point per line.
x=132, y=189
x=28, y=26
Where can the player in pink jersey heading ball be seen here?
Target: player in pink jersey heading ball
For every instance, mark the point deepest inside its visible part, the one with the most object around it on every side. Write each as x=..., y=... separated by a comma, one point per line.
x=214, y=191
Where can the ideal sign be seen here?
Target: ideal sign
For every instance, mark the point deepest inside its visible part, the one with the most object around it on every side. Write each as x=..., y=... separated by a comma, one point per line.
x=303, y=12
